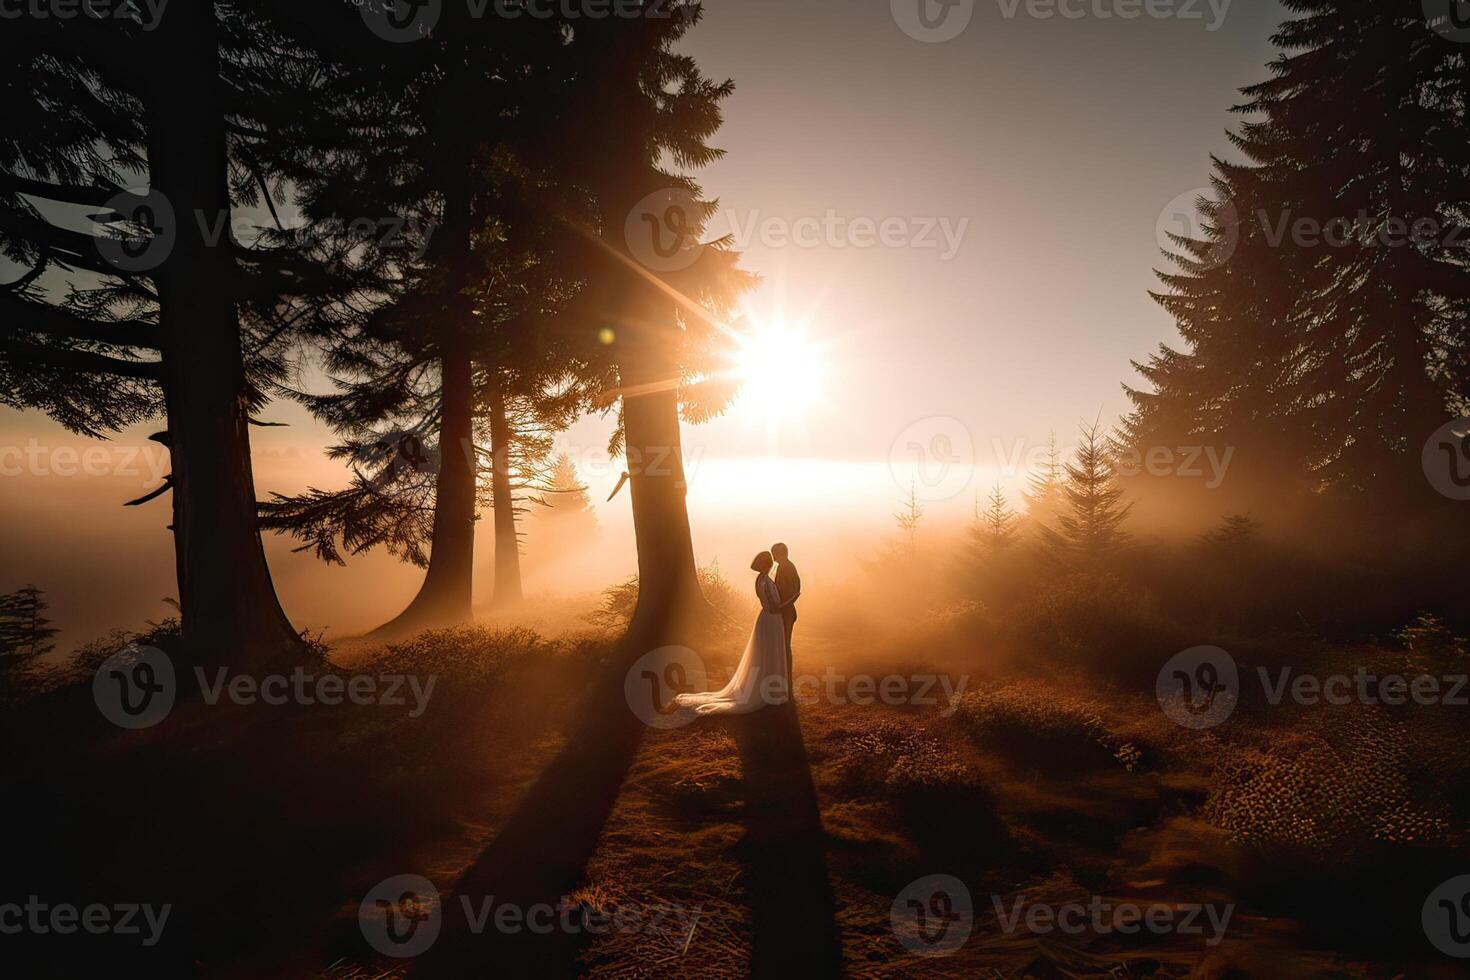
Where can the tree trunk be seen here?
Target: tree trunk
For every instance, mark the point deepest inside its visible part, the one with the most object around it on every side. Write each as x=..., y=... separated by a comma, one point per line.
x=444, y=598
x=668, y=585
x=645, y=320
x=507, y=545
x=229, y=606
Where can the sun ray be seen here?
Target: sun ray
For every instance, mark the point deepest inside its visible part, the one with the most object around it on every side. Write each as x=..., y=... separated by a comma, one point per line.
x=783, y=370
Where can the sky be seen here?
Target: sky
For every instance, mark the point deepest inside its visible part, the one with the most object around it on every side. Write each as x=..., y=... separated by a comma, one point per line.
x=961, y=232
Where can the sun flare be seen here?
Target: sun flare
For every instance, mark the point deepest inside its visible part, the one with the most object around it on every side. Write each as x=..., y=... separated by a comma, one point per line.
x=781, y=371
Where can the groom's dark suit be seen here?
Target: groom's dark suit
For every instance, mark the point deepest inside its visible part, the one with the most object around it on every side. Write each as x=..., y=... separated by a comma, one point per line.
x=788, y=583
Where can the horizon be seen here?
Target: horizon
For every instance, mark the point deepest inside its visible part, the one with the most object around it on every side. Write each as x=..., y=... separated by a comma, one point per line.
x=907, y=336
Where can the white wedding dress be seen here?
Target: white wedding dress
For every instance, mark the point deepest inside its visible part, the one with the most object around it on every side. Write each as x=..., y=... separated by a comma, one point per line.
x=760, y=678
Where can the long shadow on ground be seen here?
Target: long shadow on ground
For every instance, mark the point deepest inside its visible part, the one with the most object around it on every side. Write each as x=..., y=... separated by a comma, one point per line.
x=793, y=924
x=541, y=853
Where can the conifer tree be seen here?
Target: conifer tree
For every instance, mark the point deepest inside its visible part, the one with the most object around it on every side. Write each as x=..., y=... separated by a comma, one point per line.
x=434, y=375
x=566, y=507
x=643, y=114
x=1089, y=529
x=908, y=518
x=1044, y=488
x=162, y=310
x=25, y=632
x=1235, y=532
x=567, y=498
x=993, y=530
x=1324, y=312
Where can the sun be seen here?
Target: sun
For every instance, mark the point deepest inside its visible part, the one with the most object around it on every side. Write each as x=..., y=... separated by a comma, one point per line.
x=781, y=371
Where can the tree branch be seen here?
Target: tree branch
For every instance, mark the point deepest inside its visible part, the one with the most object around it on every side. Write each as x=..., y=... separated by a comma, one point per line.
x=168, y=484
x=93, y=195
x=83, y=361
x=20, y=284
x=28, y=316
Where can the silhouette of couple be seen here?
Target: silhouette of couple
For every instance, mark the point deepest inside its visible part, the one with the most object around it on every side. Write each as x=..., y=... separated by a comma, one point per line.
x=764, y=674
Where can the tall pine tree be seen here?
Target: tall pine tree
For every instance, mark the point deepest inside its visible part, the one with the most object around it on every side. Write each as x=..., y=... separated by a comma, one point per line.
x=1326, y=327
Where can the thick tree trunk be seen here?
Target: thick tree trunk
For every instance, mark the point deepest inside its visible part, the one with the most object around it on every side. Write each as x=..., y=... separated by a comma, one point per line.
x=444, y=598
x=230, y=609
x=507, y=545
x=645, y=318
x=668, y=585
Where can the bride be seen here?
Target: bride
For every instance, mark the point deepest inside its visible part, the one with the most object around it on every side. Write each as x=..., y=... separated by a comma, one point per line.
x=760, y=679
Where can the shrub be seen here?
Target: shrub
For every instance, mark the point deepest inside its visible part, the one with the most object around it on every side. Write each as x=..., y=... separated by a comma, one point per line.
x=1098, y=621
x=470, y=654
x=1043, y=724
x=1342, y=781
x=82, y=664
x=889, y=758
x=618, y=601
x=1429, y=636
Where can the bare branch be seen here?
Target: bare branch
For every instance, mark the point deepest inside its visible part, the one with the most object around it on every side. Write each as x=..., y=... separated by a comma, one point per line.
x=168, y=484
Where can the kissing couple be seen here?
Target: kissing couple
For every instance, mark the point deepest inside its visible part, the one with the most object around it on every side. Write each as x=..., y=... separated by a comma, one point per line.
x=764, y=674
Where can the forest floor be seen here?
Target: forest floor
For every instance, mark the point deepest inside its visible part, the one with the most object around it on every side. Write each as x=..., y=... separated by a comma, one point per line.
x=748, y=843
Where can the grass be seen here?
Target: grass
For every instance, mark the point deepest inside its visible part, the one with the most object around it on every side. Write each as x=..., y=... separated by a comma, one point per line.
x=1043, y=782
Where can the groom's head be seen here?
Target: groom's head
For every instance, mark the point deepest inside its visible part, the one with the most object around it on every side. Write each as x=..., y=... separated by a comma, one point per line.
x=778, y=551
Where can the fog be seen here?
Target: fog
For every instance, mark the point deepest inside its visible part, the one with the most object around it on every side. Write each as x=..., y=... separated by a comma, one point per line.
x=104, y=566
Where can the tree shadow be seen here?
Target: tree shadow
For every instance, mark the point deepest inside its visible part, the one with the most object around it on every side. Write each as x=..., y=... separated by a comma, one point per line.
x=792, y=913
x=541, y=853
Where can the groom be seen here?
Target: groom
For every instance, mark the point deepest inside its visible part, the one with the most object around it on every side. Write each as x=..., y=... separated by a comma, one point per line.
x=788, y=588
